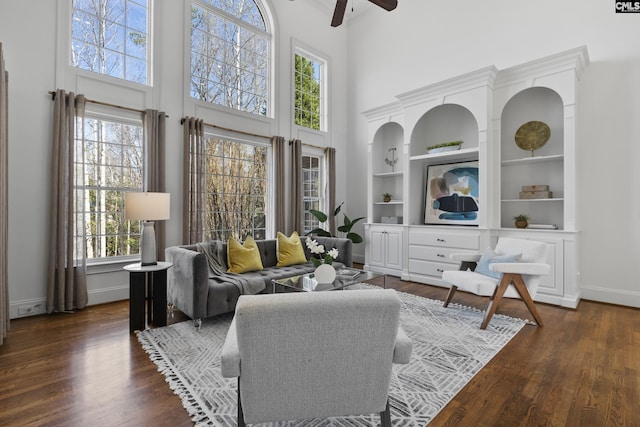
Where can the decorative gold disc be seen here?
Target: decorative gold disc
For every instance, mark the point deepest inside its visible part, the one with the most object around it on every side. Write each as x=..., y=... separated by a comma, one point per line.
x=532, y=136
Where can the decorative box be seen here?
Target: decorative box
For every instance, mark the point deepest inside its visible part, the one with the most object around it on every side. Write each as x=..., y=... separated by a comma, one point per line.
x=535, y=188
x=536, y=194
x=391, y=220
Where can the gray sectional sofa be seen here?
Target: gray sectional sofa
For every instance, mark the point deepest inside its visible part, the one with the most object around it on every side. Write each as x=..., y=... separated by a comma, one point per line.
x=193, y=289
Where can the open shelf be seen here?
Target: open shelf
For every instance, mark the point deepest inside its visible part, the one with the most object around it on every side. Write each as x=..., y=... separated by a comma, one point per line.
x=552, y=199
x=532, y=160
x=387, y=174
x=463, y=154
x=392, y=202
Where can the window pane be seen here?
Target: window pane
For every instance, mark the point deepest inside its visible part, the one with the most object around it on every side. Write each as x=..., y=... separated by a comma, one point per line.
x=236, y=189
x=109, y=37
x=311, y=190
x=111, y=163
x=308, y=107
x=230, y=58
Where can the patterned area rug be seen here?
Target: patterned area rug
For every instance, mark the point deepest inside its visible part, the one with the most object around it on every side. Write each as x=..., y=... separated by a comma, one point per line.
x=449, y=348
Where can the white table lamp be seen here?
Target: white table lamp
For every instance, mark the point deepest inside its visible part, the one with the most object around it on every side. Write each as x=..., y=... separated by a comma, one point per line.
x=147, y=207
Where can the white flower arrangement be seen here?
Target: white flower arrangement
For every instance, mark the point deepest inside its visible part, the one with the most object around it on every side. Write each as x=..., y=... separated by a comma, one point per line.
x=317, y=249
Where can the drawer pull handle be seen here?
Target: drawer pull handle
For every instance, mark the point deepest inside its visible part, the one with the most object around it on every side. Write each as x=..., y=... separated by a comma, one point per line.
x=439, y=270
x=441, y=255
x=440, y=240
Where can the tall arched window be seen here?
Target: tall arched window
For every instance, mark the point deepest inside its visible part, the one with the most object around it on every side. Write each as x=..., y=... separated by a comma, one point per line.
x=230, y=55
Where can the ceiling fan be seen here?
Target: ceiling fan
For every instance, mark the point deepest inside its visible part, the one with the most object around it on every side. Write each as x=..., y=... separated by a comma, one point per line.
x=341, y=7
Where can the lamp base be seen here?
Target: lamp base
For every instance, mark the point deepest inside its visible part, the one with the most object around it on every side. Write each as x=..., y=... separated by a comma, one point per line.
x=148, y=255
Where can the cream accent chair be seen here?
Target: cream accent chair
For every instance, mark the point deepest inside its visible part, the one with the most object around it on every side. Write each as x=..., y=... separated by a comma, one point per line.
x=517, y=279
x=314, y=354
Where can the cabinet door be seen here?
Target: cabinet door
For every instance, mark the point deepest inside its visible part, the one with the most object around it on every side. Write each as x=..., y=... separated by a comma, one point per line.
x=394, y=249
x=377, y=247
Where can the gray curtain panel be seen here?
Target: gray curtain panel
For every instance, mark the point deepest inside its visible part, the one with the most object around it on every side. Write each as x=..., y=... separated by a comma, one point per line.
x=278, y=145
x=4, y=198
x=296, y=186
x=330, y=154
x=66, y=278
x=155, y=135
x=193, y=181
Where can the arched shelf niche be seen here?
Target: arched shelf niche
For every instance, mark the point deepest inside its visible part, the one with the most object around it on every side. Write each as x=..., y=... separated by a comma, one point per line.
x=444, y=123
x=519, y=168
x=387, y=165
x=387, y=144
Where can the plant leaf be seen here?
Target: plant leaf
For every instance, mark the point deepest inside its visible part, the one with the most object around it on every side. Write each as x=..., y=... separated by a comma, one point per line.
x=328, y=259
x=344, y=228
x=337, y=211
x=316, y=262
x=355, y=237
x=322, y=217
x=319, y=232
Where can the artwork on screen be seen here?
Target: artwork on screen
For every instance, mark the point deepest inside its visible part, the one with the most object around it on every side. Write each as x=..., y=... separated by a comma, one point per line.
x=451, y=194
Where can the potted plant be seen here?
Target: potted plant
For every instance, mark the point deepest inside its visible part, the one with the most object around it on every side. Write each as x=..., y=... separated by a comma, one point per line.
x=445, y=146
x=386, y=197
x=522, y=220
x=344, y=229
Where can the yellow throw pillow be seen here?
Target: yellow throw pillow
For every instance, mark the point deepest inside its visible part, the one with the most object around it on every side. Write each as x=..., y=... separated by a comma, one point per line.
x=243, y=258
x=290, y=250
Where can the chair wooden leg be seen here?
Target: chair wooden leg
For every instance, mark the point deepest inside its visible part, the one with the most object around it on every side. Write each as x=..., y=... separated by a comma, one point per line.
x=518, y=283
x=241, y=422
x=385, y=416
x=452, y=291
x=496, y=298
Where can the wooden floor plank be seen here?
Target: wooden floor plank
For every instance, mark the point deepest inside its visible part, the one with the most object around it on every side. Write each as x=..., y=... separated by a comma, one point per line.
x=581, y=369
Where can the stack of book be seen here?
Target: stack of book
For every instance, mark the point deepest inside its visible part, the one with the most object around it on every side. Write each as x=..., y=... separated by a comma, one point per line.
x=535, y=192
x=543, y=226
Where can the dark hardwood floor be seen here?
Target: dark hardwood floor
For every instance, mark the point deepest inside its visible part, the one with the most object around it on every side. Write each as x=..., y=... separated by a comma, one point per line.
x=582, y=368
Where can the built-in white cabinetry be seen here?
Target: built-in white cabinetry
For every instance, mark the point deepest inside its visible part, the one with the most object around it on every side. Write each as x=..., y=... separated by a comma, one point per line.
x=430, y=249
x=384, y=248
x=484, y=109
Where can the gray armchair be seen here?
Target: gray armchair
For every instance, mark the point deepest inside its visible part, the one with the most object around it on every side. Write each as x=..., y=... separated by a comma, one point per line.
x=314, y=355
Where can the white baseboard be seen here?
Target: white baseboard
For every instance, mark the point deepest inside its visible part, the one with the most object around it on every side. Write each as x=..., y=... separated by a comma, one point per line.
x=610, y=296
x=105, y=295
x=36, y=306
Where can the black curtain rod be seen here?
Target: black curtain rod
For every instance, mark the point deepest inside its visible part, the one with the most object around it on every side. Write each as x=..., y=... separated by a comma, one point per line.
x=309, y=145
x=182, y=120
x=135, y=110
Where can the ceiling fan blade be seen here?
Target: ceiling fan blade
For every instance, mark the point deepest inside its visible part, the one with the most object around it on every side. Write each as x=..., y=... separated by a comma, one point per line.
x=386, y=4
x=338, y=13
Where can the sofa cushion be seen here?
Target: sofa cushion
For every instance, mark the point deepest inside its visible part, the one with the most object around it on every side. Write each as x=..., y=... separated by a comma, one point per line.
x=243, y=258
x=290, y=250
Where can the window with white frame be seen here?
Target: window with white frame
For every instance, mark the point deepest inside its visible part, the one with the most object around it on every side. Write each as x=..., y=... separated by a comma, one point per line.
x=313, y=189
x=110, y=159
x=230, y=55
x=237, y=188
x=309, y=77
x=111, y=37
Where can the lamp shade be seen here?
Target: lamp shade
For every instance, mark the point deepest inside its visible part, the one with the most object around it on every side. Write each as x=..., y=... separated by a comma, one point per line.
x=147, y=206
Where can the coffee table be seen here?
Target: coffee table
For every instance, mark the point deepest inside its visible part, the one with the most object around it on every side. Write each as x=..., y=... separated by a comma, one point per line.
x=344, y=277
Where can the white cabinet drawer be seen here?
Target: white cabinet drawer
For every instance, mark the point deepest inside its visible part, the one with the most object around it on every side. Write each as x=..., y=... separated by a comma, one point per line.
x=432, y=253
x=429, y=268
x=446, y=240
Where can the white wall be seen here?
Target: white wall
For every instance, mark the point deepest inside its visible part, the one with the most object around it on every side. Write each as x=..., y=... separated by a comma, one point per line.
x=29, y=32
x=422, y=42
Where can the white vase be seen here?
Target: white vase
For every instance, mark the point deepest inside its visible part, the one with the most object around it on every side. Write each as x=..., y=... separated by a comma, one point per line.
x=325, y=273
